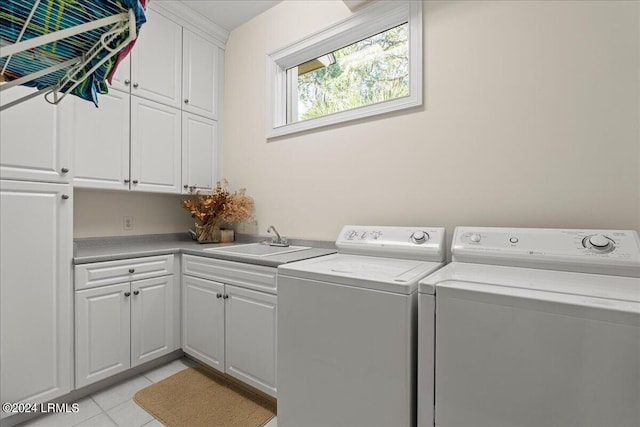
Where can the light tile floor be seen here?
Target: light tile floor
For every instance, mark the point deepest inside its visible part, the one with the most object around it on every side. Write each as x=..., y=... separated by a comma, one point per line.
x=114, y=406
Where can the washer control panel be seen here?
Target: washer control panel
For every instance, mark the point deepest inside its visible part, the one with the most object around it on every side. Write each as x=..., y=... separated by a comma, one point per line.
x=420, y=243
x=606, y=251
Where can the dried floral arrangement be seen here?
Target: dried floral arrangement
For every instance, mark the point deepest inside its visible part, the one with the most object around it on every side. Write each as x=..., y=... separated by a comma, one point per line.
x=220, y=207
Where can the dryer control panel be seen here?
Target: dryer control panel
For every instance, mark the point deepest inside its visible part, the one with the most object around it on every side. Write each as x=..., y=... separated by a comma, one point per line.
x=615, y=252
x=418, y=243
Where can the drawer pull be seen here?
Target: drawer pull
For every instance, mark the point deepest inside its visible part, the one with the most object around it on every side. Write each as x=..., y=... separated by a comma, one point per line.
x=132, y=270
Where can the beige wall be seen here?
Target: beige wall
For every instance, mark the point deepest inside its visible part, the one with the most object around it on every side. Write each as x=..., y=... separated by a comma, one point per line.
x=530, y=118
x=100, y=213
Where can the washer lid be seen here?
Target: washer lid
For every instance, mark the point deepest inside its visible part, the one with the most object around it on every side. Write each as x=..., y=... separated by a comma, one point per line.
x=384, y=274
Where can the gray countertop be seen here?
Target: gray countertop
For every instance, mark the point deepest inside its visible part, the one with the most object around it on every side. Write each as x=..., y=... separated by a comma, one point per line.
x=115, y=248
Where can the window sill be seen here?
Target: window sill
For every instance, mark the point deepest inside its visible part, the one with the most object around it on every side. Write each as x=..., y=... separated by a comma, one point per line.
x=346, y=116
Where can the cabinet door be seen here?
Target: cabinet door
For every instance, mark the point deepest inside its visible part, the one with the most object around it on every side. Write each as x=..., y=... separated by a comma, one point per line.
x=122, y=78
x=102, y=332
x=250, y=319
x=200, y=75
x=35, y=291
x=31, y=147
x=151, y=319
x=155, y=147
x=203, y=320
x=199, y=152
x=101, y=141
x=156, y=61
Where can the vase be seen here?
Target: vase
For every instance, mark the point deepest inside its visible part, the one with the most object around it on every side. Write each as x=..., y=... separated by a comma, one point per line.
x=208, y=234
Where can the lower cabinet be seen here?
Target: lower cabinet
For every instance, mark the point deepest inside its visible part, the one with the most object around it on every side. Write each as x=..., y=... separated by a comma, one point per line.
x=229, y=318
x=122, y=325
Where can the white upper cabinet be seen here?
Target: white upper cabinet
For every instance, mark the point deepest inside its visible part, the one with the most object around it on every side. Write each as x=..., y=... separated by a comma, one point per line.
x=154, y=70
x=199, y=152
x=155, y=147
x=31, y=148
x=158, y=131
x=126, y=143
x=121, y=79
x=101, y=140
x=200, y=75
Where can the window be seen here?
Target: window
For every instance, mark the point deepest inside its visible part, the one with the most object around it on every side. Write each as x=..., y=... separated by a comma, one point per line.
x=368, y=64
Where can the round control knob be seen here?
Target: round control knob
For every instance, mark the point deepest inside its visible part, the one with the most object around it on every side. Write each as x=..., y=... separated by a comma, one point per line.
x=419, y=237
x=598, y=241
x=475, y=237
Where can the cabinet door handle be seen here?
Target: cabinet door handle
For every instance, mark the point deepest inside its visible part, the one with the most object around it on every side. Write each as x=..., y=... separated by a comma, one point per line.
x=64, y=170
x=127, y=82
x=135, y=85
x=225, y=296
x=127, y=294
x=186, y=101
x=65, y=196
x=136, y=292
x=132, y=270
x=218, y=295
x=126, y=181
x=186, y=186
x=135, y=181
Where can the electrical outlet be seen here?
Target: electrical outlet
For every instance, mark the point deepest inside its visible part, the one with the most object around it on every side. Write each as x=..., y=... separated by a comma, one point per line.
x=128, y=223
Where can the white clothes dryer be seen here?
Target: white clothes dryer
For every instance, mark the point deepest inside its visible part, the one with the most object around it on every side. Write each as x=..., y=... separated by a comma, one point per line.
x=347, y=329
x=534, y=328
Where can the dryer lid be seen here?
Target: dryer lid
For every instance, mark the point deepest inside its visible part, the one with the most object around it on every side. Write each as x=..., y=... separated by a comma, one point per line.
x=519, y=279
x=597, y=297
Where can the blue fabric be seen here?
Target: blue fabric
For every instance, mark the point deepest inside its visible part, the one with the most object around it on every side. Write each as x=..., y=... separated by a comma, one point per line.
x=55, y=15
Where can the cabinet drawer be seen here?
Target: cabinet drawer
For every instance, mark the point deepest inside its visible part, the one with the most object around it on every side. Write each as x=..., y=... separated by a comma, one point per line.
x=125, y=270
x=234, y=273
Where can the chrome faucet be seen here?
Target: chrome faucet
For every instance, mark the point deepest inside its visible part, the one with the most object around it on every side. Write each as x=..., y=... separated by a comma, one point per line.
x=277, y=240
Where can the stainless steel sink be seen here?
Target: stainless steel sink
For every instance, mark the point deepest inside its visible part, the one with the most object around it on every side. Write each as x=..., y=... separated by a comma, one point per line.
x=257, y=249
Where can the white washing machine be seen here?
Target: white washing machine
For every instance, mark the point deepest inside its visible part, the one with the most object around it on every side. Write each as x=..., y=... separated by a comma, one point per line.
x=536, y=327
x=347, y=329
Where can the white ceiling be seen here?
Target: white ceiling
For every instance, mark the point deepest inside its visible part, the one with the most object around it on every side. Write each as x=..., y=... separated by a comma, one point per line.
x=229, y=14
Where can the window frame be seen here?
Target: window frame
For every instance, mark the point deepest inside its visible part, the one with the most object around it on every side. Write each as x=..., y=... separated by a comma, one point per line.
x=373, y=19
